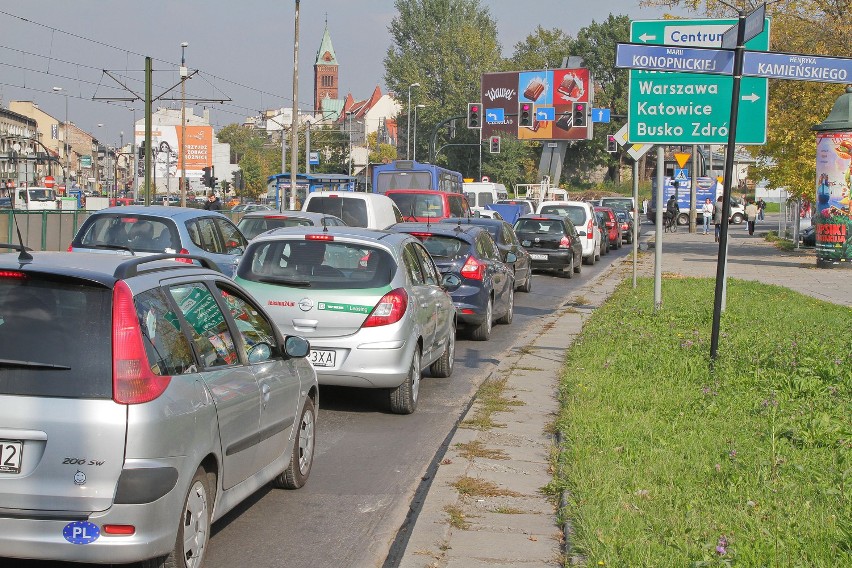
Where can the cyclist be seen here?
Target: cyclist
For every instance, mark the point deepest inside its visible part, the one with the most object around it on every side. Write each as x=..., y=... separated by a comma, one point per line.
x=671, y=213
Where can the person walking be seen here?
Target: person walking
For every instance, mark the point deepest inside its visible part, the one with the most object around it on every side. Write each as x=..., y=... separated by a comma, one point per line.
x=761, y=209
x=751, y=216
x=717, y=217
x=213, y=203
x=707, y=214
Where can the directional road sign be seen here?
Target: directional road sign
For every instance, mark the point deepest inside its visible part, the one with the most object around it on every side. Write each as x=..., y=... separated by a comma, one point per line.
x=494, y=115
x=665, y=58
x=600, y=115
x=692, y=108
x=754, y=24
x=545, y=113
x=797, y=67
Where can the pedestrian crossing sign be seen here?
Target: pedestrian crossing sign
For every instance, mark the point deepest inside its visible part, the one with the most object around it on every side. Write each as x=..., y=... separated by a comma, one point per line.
x=681, y=174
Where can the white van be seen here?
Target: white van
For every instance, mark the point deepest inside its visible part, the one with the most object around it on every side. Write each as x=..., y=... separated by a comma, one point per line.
x=482, y=193
x=368, y=210
x=582, y=215
x=34, y=198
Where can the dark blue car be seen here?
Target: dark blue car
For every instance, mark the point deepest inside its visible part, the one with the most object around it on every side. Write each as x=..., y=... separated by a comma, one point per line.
x=481, y=284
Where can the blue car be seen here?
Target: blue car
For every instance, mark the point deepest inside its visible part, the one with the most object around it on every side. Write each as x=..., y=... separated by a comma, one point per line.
x=138, y=230
x=481, y=284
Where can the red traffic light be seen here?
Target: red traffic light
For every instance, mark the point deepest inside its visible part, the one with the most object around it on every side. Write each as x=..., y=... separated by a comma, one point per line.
x=474, y=108
x=525, y=107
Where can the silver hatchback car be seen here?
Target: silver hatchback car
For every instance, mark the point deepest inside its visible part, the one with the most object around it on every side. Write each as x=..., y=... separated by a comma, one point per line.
x=140, y=400
x=371, y=303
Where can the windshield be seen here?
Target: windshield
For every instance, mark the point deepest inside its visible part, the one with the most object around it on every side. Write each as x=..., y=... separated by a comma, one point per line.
x=318, y=264
x=617, y=202
x=136, y=232
x=253, y=226
x=419, y=204
x=42, y=194
x=573, y=212
x=403, y=180
x=443, y=248
x=540, y=226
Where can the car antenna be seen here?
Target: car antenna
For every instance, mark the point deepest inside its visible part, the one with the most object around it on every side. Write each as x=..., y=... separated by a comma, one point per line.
x=324, y=226
x=24, y=256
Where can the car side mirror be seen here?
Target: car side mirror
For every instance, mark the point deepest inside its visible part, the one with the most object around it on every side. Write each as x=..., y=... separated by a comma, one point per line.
x=511, y=257
x=296, y=347
x=450, y=282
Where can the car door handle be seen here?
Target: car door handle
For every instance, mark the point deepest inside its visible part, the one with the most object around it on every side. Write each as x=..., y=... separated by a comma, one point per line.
x=264, y=394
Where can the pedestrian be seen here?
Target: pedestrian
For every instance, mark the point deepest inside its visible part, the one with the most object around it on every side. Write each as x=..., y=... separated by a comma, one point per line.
x=644, y=206
x=751, y=216
x=213, y=203
x=761, y=209
x=717, y=217
x=707, y=214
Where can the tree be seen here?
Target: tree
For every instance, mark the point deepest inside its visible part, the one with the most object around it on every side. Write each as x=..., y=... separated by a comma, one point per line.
x=445, y=45
x=543, y=49
x=516, y=163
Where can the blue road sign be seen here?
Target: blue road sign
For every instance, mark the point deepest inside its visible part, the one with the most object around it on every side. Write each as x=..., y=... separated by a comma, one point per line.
x=600, y=114
x=797, y=67
x=681, y=174
x=313, y=158
x=667, y=58
x=494, y=115
x=545, y=113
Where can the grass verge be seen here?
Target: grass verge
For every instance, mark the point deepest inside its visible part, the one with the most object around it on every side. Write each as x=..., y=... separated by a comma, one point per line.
x=669, y=464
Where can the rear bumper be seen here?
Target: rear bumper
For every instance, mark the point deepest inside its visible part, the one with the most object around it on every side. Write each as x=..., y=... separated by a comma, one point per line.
x=556, y=259
x=367, y=365
x=470, y=302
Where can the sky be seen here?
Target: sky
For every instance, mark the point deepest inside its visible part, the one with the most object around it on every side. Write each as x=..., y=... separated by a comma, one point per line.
x=242, y=49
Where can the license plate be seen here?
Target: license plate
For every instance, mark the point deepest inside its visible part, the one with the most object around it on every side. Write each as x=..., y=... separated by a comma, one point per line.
x=525, y=243
x=320, y=358
x=10, y=456
x=538, y=256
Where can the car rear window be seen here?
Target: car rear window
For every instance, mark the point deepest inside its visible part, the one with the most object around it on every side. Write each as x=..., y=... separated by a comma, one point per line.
x=318, y=264
x=540, y=226
x=55, y=338
x=573, y=212
x=618, y=202
x=419, y=204
x=443, y=248
x=352, y=211
x=137, y=232
x=252, y=227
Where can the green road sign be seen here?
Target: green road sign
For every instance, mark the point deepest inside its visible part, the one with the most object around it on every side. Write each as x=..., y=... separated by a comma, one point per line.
x=693, y=108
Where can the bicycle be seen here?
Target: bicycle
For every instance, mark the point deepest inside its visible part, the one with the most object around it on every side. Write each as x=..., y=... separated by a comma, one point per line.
x=669, y=222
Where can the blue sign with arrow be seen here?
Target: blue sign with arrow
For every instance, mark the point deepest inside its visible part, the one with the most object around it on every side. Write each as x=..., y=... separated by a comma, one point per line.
x=600, y=114
x=495, y=115
x=545, y=113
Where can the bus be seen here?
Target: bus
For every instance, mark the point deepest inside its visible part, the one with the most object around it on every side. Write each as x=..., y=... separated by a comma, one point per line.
x=408, y=174
x=279, y=184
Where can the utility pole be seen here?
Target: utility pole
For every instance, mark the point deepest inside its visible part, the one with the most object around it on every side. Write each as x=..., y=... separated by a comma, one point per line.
x=183, y=75
x=294, y=134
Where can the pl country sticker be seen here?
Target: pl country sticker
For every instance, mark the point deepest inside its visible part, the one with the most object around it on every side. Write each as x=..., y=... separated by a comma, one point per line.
x=81, y=532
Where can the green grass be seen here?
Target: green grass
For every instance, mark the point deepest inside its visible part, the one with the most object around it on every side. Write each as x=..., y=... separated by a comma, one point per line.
x=664, y=459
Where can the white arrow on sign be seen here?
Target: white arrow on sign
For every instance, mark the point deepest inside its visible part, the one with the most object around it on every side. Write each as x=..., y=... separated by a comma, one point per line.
x=646, y=37
x=752, y=97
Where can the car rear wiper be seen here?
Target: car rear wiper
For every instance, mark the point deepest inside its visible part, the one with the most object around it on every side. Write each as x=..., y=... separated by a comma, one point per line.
x=32, y=365
x=286, y=281
x=111, y=247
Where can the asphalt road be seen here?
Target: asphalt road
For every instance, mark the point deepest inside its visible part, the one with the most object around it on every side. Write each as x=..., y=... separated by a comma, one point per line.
x=370, y=463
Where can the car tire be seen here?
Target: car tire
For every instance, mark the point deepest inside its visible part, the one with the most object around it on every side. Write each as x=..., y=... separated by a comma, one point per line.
x=194, y=529
x=568, y=270
x=403, y=399
x=482, y=332
x=302, y=456
x=736, y=219
x=527, y=287
x=443, y=367
x=683, y=219
x=578, y=266
x=590, y=260
x=507, y=317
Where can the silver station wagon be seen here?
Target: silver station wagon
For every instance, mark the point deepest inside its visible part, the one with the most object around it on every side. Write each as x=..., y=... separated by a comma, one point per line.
x=140, y=400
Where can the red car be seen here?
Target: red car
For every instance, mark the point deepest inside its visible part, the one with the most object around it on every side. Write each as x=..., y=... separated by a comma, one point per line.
x=611, y=225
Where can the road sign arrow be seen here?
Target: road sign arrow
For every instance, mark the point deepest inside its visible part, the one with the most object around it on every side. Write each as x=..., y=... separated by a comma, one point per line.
x=646, y=37
x=752, y=97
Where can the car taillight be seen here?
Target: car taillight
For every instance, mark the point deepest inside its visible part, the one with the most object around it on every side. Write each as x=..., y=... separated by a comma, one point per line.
x=565, y=243
x=133, y=382
x=320, y=237
x=473, y=269
x=590, y=230
x=70, y=248
x=186, y=260
x=390, y=309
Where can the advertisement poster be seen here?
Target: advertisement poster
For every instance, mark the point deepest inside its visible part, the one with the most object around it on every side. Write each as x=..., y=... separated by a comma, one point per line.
x=831, y=217
x=552, y=94
x=165, y=140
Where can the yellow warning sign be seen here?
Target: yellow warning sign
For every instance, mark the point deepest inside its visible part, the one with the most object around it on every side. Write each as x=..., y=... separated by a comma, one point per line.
x=682, y=158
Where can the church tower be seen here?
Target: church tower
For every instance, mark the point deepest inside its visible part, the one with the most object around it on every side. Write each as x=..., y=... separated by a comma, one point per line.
x=325, y=72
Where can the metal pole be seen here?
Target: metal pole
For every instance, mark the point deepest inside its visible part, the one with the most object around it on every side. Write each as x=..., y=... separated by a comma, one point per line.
x=307, y=146
x=635, y=238
x=721, y=264
x=693, y=205
x=148, y=153
x=183, y=74
x=658, y=238
x=294, y=135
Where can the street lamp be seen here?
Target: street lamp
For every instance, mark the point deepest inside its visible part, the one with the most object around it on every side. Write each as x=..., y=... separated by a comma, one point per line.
x=349, y=131
x=408, y=136
x=183, y=75
x=65, y=139
x=414, y=155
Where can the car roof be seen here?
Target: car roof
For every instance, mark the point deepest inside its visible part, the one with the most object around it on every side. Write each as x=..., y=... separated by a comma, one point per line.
x=349, y=195
x=481, y=221
x=435, y=191
x=443, y=229
x=288, y=213
x=172, y=212
x=551, y=216
x=388, y=238
x=105, y=269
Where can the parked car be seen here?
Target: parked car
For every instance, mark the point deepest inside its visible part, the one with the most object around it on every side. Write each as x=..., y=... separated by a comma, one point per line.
x=527, y=206
x=256, y=222
x=552, y=241
x=507, y=242
x=246, y=207
x=356, y=209
x=142, y=399
x=808, y=236
x=583, y=218
x=156, y=229
x=480, y=282
x=421, y=205
x=370, y=302
x=604, y=247
x=610, y=226
x=618, y=203
x=625, y=223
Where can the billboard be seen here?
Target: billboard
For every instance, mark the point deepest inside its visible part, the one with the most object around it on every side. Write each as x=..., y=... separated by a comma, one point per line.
x=165, y=143
x=832, y=215
x=552, y=92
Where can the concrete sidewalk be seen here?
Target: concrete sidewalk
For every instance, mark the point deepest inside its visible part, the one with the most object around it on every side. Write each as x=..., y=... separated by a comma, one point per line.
x=505, y=519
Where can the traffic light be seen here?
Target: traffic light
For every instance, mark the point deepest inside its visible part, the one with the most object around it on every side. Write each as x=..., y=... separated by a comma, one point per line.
x=213, y=181
x=525, y=114
x=142, y=150
x=474, y=115
x=206, y=177
x=611, y=144
x=495, y=144
x=579, y=114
